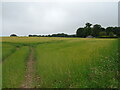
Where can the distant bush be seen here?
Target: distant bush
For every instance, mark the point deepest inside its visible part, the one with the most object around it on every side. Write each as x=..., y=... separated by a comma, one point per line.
x=13, y=35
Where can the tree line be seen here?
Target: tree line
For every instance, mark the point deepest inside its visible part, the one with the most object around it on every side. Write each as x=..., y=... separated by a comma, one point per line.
x=53, y=35
x=96, y=31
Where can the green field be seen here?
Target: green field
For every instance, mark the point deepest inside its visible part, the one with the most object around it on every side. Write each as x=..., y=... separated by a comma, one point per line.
x=44, y=62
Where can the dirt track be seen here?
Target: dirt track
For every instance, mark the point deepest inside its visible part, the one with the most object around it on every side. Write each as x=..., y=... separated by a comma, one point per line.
x=29, y=71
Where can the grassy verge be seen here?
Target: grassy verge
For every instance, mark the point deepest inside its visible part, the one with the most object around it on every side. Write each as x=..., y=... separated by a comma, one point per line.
x=13, y=68
x=77, y=63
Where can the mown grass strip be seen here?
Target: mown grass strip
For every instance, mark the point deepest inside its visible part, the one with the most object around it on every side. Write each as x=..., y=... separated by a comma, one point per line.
x=14, y=67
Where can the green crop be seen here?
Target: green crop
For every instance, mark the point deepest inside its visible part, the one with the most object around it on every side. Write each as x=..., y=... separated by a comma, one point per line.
x=61, y=62
x=13, y=68
x=79, y=63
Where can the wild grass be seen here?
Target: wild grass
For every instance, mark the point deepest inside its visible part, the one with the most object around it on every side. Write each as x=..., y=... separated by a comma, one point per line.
x=14, y=67
x=7, y=49
x=62, y=62
x=89, y=63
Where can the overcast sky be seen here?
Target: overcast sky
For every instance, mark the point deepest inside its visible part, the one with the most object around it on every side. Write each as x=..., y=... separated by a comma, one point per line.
x=24, y=18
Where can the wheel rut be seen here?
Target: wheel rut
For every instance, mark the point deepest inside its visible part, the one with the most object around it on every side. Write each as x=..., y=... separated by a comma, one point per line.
x=29, y=77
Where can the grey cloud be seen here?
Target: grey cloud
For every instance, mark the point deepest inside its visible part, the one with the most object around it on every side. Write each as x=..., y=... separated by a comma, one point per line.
x=47, y=18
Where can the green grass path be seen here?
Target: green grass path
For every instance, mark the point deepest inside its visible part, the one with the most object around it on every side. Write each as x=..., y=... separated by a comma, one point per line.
x=14, y=68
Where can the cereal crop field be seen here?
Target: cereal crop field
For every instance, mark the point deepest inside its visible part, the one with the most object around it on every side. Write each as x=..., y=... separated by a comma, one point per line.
x=49, y=62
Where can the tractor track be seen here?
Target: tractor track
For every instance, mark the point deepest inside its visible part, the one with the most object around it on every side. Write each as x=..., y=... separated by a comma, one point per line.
x=29, y=77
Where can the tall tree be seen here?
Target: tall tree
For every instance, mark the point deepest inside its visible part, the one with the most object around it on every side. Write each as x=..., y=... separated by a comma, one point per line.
x=88, y=25
x=118, y=32
x=87, y=29
x=96, y=30
x=80, y=32
x=109, y=30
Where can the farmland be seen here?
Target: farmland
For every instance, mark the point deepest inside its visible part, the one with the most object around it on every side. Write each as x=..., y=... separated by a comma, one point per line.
x=43, y=62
